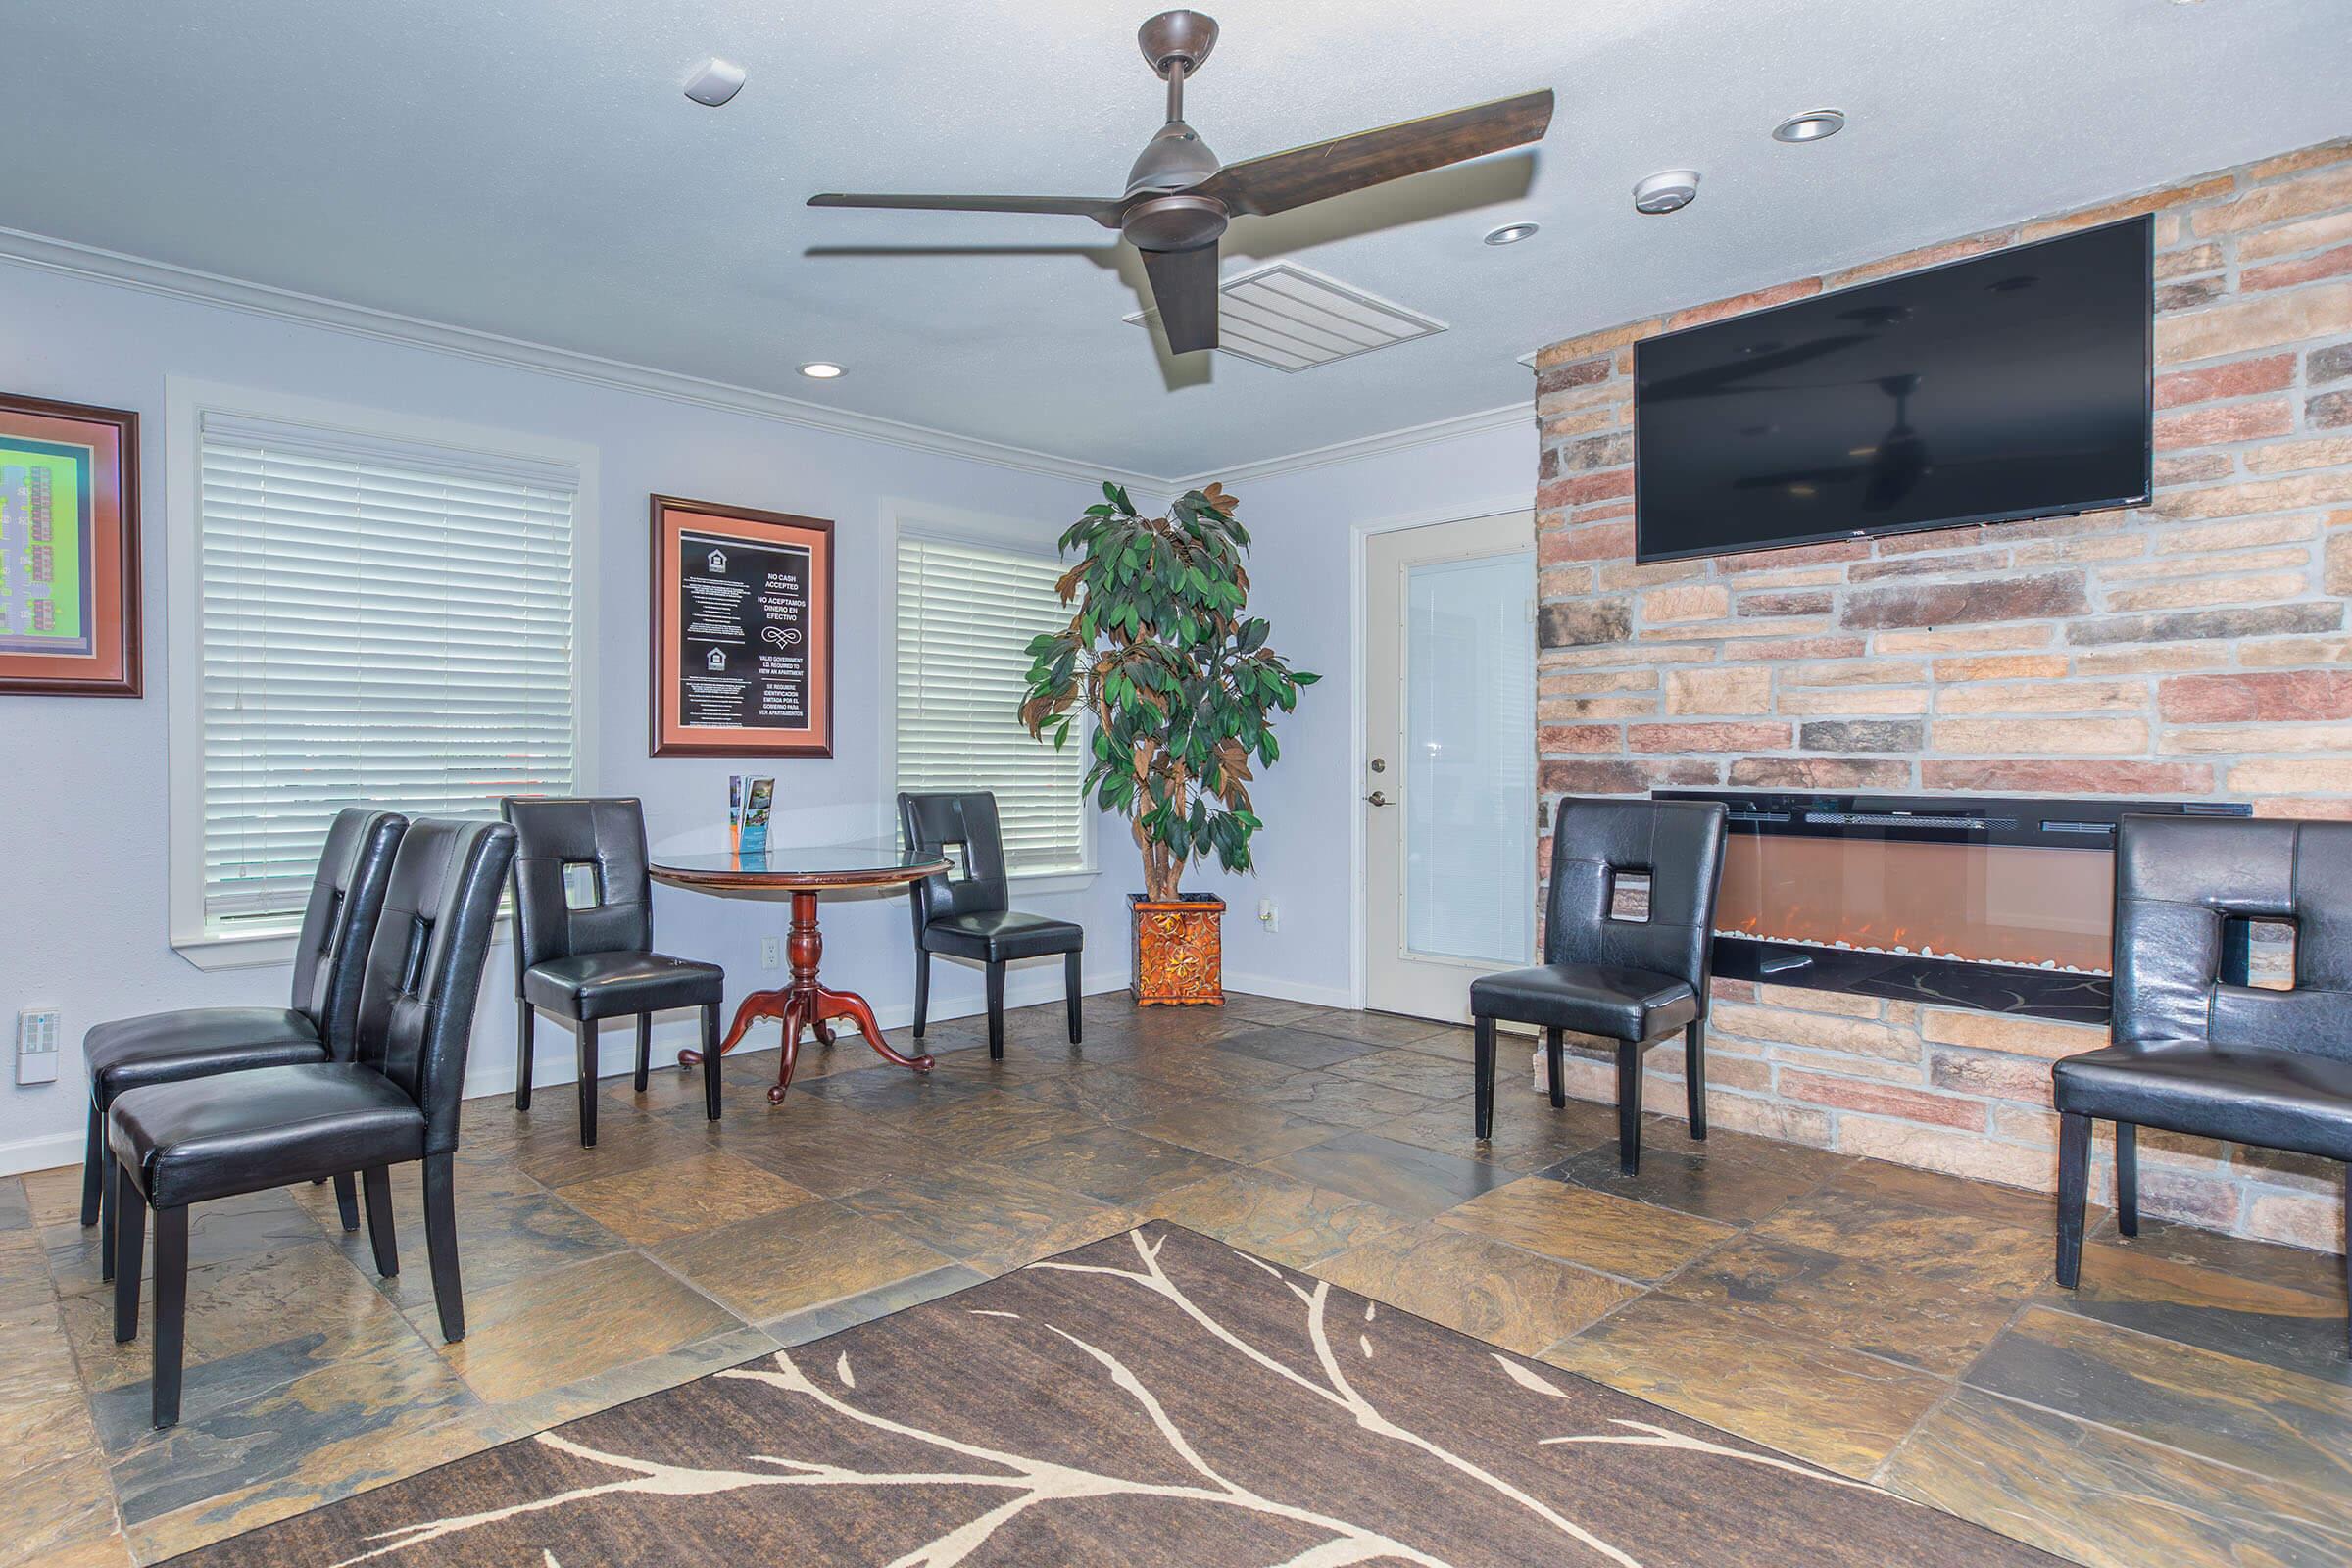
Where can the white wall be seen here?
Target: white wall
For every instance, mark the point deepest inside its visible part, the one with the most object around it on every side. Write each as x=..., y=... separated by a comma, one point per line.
x=82, y=782
x=1305, y=527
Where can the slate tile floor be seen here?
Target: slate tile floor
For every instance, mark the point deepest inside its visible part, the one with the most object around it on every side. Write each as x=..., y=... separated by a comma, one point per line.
x=2192, y=1404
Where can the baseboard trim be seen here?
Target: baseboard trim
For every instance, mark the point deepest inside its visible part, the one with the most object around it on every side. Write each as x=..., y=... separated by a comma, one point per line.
x=616, y=1052
x=46, y=1153
x=1267, y=984
x=554, y=1067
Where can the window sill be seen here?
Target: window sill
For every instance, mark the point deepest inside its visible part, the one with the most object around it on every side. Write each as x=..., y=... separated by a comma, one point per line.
x=260, y=950
x=247, y=950
x=1050, y=882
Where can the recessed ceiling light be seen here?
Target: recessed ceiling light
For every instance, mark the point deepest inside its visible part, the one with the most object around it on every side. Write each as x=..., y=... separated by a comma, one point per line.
x=1512, y=234
x=823, y=371
x=1814, y=124
x=1668, y=191
x=715, y=81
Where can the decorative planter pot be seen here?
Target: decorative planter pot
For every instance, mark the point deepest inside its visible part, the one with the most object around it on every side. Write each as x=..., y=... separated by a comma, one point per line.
x=1179, y=961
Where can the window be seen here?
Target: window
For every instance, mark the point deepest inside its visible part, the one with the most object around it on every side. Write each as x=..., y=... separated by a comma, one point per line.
x=966, y=615
x=379, y=622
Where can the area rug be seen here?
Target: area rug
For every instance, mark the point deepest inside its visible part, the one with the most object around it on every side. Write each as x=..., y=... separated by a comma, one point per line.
x=1157, y=1397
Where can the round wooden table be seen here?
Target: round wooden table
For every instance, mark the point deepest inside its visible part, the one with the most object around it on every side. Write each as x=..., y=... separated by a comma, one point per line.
x=803, y=871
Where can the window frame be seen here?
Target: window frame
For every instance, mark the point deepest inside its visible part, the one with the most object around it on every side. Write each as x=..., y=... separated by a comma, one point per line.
x=186, y=402
x=956, y=525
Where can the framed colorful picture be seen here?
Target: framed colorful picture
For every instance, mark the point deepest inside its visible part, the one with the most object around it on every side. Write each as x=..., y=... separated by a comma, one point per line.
x=69, y=550
x=742, y=632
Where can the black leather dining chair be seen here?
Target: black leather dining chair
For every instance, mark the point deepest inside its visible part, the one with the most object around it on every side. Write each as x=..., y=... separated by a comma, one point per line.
x=2192, y=1048
x=181, y=1144
x=967, y=913
x=1633, y=981
x=347, y=893
x=594, y=961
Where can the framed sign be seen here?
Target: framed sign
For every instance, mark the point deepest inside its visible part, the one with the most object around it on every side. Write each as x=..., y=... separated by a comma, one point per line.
x=742, y=632
x=69, y=550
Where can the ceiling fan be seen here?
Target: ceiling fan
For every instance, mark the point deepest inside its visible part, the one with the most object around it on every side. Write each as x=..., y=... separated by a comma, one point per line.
x=1180, y=198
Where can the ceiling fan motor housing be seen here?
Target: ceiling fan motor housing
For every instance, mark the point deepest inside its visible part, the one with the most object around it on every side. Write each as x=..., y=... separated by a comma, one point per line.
x=1177, y=223
x=1174, y=159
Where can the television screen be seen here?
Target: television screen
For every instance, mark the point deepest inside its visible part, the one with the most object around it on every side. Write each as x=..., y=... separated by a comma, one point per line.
x=2009, y=385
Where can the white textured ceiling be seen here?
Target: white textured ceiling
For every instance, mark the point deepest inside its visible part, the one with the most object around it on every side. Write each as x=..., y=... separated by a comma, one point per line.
x=529, y=168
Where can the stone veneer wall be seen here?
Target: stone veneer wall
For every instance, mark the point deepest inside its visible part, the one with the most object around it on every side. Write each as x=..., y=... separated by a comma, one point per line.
x=2196, y=648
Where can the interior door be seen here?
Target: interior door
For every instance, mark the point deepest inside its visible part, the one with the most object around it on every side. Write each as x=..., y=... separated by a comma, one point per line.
x=1449, y=790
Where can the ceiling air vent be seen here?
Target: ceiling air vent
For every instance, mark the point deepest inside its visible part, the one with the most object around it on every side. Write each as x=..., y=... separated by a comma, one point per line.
x=1292, y=320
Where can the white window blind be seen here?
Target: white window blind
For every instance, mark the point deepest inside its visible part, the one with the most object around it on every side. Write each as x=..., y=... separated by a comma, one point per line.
x=965, y=615
x=382, y=623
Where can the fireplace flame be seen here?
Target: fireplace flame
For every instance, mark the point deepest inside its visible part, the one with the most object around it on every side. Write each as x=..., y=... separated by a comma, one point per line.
x=2019, y=904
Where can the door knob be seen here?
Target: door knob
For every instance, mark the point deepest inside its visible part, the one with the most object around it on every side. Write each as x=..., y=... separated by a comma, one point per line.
x=1377, y=799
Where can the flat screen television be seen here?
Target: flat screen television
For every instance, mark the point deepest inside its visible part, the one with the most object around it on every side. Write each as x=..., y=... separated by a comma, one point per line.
x=2009, y=385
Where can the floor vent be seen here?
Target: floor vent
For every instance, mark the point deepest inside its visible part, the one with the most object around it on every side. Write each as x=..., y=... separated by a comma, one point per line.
x=1291, y=319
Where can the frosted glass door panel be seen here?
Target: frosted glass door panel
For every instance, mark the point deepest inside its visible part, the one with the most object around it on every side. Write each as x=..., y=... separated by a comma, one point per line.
x=1469, y=761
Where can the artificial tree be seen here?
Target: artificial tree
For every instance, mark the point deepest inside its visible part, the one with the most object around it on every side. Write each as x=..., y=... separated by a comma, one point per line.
x=1180, y=684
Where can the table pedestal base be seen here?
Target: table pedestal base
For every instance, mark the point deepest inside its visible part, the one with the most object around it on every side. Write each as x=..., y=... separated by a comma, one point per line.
x=805, y=1004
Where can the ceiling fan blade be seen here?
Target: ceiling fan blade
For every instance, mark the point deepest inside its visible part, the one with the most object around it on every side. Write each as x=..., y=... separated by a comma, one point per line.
x=1184, y=285
x=1104, y=210
x=1280, y=181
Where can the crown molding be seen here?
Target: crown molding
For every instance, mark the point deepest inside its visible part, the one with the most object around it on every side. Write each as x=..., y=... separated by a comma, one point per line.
x=95, y=265
x=1508, y=416
x=90, y=262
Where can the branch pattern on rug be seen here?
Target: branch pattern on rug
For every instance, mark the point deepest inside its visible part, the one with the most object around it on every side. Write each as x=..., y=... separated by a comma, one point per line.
x=1021, y=1483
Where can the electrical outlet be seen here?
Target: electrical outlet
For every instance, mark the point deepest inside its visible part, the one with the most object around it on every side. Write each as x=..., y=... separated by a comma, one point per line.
x=36, y=1047
x=770, y=952
x=1269, y=914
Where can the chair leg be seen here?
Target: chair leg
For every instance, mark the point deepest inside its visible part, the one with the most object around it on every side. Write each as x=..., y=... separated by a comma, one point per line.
x=347, y=1201
x=1482, y=1080
x=527, y=1017
x=171, y=1310
x=441, y=1243
x=584, y=1032
x=376, y=1182
x=110, y=1185
x=2074, y=1189
x=995, y=1011
x=1695, y=1076
x=2127, y=1178
x=1628, y=1107
x=710, y=1059
x=1070, y=966
x=2348, y=1249
x=93, y=1165
x=922, y=990
x=645, y=1049
x=129, y=1222
x=1555, y=1064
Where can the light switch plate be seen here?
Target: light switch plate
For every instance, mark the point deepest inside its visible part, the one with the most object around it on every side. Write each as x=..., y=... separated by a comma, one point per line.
x=36, y=1046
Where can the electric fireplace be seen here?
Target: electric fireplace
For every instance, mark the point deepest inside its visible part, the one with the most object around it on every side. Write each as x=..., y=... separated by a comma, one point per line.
x=1986, y=901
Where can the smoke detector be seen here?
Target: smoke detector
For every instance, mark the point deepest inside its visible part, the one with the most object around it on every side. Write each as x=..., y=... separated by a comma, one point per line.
x=1668, y=191
x=715, y=81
